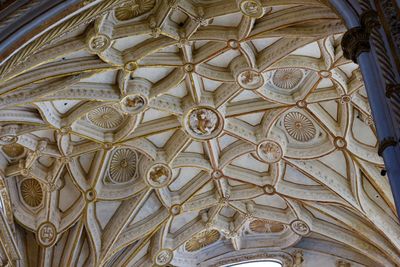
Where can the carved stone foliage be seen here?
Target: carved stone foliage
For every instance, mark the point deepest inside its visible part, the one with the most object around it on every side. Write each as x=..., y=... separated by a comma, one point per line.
x=299, y=127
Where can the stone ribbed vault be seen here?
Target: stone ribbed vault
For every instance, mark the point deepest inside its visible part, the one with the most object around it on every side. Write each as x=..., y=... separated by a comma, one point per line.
x=187, y=133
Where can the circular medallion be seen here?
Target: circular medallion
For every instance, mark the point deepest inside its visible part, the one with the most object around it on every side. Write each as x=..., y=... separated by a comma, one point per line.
x=300, y=227
x=204, y=123
x=131, y=66
x=202, y=239
x=13, y=150
x=299, y=127
x=158, y=175
x=189, y=67
x=99, y=43
x=233, y=44
x=90, y=195
x=251, y=8
x=301, y=104
x=175, y=210
x=269, y=151
x=123, y=165
x=340, y=142
x=105, y=117
x=31, y=192
x=250, y=79
x=46, y=234
x=217, y=174
x=164, y=256
x=269, y=189
x=264, y=226
x=287, y=78
x=133, y=104
x=344, y=99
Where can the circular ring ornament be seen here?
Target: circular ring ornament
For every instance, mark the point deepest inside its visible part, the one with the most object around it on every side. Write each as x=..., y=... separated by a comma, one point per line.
x=251, y=8
x=344, y=99
x=90, y=195
x=46, y=234
x=133, y=104
x=250, y=79
x=130, y=66
x=203, y=123
x=31, y=192
x=233, y=44
x=300, y=227
x=158, y=175
x=340, y=142
x=163, y=257
x=217, y=174
x=99, y=43
x=269, y=151
x=301, y=104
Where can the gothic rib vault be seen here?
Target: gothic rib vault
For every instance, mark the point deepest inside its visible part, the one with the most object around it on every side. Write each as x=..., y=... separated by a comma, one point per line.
x=188, y=133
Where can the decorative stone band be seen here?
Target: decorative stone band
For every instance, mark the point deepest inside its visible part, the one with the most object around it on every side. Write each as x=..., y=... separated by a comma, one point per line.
x=385, y=143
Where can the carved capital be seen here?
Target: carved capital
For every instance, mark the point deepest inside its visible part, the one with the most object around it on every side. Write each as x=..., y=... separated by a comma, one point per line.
x=354, y=42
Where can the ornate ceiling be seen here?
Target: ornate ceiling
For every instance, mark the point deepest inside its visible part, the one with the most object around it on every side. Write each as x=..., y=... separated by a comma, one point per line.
x=192, y=133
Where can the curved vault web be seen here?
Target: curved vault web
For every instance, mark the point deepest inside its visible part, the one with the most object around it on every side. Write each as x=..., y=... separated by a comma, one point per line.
x=193, y=133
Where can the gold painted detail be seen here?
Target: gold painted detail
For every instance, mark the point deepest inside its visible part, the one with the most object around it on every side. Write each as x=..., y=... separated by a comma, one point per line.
x=105, y=117
x=250, y=79
x=46, y=234
x=132, y=9
x=264, y=226
x=31, y=192
x=202, y=239
x=287, y=78
x=123, y=165
x=299, y=127
x=269, y=151
x=204, y=123
x=13, y=150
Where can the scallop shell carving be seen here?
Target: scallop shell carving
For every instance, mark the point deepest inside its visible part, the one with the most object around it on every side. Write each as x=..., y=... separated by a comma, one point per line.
x=299, y=127
x=105, y=117
x=262, y=226
x=133, y=9
x=123, y=165
x=287, y=78
x=202, y=239
x=31, y=192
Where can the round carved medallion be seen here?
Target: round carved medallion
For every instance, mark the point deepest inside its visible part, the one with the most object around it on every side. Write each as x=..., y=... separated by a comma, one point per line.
x=299, y=127
x=202, y=239
x=250, y=79
x=105, y=117
x=164, y=256
x=269, y=151
x=175, y=210
x=133, y=8
x=204, y=123
x=158, y=175
x=287, y=78
x=31, y=192
x=13, y=150
x=340, y=142
x=46, y=234
x=300, y=227
x=99, y=43
x=251, y=8
x=123, y=165
x=133, y=104
x=264, y=226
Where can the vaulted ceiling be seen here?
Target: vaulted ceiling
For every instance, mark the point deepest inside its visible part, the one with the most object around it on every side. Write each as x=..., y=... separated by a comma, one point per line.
x=194, y=132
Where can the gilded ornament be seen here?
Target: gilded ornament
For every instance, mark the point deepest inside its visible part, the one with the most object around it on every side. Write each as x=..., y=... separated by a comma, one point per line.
x=264, y=226
x=46, y=234
x=202, y=239
x=105, y=117
x=31, y=192
x=133, y=104
x=287, y=78
x=13, y=150
x=204, y=123
x=123, y=165
x=299, y=127
x=134, y=8
x=158, y=175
